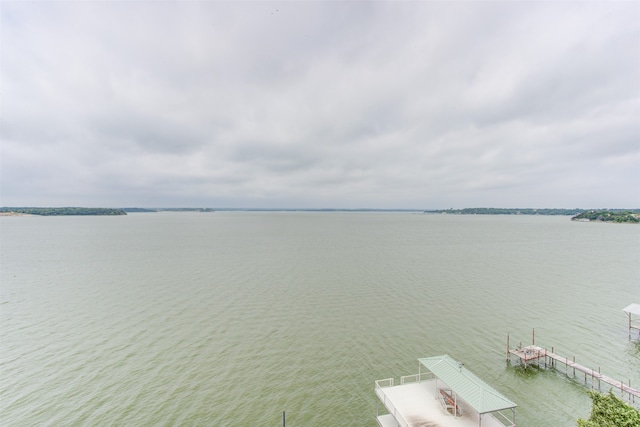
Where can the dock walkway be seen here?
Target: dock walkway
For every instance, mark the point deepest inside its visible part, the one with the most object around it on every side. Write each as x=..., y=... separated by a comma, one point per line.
x=534, y=354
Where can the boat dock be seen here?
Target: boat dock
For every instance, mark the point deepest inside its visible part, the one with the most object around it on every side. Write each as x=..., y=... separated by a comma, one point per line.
x=633, y=311
x=447, y=395
x=541, y=357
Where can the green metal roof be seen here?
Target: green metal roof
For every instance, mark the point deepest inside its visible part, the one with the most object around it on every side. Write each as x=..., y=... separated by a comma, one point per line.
x=482, y=397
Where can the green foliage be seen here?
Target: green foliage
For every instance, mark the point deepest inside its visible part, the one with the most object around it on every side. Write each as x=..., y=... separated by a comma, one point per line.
x=619, y=216
x=92, y=211
x=609, y=410
x=506, y=211
x=64, y=211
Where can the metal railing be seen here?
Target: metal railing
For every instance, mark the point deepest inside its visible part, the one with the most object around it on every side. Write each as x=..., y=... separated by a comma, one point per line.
x=388, y=382
x=393, y=411
x=508, y=422
x=416, y=378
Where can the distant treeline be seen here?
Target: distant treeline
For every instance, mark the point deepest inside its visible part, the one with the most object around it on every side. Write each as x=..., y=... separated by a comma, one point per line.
x=502, y=211
x=315, y=210
x=266, y=210
x=62, y=211
x=602, y=215
x=620, y=216
x=168, y=210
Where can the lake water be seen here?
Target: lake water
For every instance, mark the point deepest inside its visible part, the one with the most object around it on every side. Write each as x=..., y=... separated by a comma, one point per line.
x=230, y=318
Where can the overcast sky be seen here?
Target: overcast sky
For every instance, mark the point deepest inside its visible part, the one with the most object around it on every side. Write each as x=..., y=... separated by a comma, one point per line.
x=343, y=104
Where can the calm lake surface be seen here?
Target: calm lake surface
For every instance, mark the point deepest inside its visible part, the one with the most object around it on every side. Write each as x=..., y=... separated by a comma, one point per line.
x=230, y=318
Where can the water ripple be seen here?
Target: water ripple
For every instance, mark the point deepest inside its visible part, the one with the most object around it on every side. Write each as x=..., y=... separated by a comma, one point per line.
x=229, y=319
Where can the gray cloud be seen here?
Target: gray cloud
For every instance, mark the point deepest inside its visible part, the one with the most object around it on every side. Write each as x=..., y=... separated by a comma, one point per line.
x=316, y=104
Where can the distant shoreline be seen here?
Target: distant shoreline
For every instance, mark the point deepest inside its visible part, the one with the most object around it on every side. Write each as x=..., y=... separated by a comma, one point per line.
x=609, y=216
x=601, y=215
x=507, y=211
x=66, y=211
x=14, y=214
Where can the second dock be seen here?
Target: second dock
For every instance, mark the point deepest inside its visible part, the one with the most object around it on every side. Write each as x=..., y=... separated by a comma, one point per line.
x=541, y=357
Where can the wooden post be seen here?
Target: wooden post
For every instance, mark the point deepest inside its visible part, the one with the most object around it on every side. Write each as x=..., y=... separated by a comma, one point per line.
x=538, y=355
x=507, y=347
x=284, y=420
x=533, y=336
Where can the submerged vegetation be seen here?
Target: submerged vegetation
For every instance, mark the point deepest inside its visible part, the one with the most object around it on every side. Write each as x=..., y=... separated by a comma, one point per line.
x=626, y=216
x=61, y=211
x=609, y=410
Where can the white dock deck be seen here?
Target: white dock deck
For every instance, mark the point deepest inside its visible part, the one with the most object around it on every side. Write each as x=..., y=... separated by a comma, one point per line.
x=416, y=405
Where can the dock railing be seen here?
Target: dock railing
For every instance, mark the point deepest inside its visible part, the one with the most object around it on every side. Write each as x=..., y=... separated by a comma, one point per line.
x=416, y=378
x=388, y=382
x=508, y=422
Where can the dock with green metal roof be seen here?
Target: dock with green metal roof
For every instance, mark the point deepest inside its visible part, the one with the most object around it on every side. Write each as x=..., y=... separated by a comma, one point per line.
x=443, y=393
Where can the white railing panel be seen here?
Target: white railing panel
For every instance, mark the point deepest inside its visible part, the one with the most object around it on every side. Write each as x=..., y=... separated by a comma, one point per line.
x=387, y=382
x=416, y=378
x=503, y=419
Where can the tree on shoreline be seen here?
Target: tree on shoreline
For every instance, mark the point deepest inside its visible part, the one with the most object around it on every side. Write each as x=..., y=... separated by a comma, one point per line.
x=609, y=410
x=609, y=216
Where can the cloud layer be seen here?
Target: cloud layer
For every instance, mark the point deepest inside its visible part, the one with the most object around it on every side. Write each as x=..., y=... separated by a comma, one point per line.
x=321, y=104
